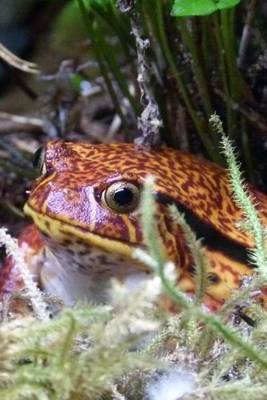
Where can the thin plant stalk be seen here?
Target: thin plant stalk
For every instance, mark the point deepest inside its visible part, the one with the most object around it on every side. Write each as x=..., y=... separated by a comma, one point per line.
x=200, y=79
x=244, y=200
x=222, y=68
x=114, y=67
x=103, y=70
x=154, y=245
x=114, y=20
x=246, y=149
x=209, y=145
x=200, y=261
x=227, y=18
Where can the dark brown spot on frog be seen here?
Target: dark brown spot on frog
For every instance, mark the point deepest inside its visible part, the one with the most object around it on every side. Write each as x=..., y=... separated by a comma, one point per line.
x=213, y=278
x=47, y=224
x=71, y=252
x=67, y=242
x=192, y=270
x=45, y=235
x=102, y=259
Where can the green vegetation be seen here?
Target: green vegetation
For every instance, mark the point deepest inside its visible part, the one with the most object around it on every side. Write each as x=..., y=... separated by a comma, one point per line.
x=99, y=352
x=202, y=56
x=192, y=66
x=183, y=8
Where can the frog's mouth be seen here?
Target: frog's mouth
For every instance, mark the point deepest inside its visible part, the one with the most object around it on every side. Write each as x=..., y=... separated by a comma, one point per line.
x=62, y=231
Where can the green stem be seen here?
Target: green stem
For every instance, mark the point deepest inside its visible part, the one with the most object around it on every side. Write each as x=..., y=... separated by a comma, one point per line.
x=67, y=343
x=162, y=88
x=246, y=150
x=222, y=68
x=230, y=56
x=206, y=44
x=114, y=67
x=234, y=77
x=116, y=22
x=99, y=57
x=105, y=73
x=201, y=80
x=209, y=145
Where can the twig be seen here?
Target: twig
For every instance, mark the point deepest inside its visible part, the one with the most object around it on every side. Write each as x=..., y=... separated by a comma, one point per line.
x=246, y=34
x=35, y=295
x=17, y=62
x=149, y=123
x=126, y=5
x=250, y=115
x=18, y=123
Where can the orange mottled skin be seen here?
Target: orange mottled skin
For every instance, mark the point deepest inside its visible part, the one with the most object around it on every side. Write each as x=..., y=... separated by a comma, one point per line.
x=66, y=206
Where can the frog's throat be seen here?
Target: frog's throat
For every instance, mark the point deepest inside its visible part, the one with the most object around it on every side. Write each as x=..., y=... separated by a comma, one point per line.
x=60, y=230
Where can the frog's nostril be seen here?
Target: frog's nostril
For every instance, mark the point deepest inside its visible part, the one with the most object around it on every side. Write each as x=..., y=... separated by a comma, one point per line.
x=38, y=160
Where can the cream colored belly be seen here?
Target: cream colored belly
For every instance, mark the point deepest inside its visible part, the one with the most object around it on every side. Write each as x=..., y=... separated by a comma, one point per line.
x=86, y=275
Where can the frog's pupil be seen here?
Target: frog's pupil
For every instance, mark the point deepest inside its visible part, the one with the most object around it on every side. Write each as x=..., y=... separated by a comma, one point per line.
x=123, y=196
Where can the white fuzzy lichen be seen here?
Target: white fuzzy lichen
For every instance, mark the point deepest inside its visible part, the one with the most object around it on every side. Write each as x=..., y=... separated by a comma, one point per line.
x=172, y=385
x=35, y=295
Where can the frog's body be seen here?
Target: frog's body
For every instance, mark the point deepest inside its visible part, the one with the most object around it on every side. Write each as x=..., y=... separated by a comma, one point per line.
x=86, y=241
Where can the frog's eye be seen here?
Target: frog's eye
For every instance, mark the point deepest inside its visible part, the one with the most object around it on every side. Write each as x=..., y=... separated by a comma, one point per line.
x=38, y=160
x=122, y=197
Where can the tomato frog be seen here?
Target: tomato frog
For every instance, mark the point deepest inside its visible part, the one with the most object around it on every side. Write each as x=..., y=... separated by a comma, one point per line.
x=86, y=215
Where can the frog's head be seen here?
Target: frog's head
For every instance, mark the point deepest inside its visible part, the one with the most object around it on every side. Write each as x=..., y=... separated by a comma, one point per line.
x=88, y=193
x=86, y=204
x=87, y=201
x=92, y=193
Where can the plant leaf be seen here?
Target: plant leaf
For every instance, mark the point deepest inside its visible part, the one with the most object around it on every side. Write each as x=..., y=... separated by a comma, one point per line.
x=185, y=8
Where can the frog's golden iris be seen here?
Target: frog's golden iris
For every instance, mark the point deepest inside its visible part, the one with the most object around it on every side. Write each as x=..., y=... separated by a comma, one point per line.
x=122, y=196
